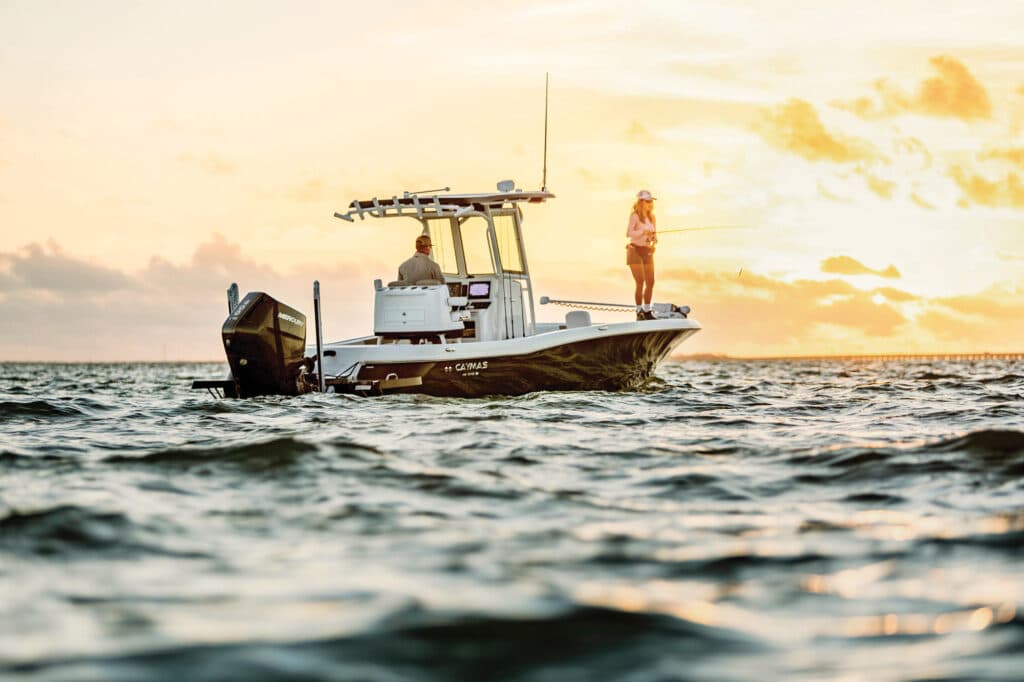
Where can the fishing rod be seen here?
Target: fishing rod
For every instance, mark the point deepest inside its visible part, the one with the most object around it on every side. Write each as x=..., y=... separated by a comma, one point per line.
x=702, y=229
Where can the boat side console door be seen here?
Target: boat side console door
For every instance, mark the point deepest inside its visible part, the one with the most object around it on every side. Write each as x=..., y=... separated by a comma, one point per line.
x=514, y=276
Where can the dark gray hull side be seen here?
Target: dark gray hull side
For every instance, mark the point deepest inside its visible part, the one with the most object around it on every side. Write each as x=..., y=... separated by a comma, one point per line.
x=612, y=363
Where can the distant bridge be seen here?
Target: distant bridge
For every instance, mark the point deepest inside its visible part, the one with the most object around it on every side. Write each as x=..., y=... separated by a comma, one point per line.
x=880, y=357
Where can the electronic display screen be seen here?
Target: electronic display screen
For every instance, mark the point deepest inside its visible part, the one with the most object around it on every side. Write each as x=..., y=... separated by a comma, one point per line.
x=479, y=289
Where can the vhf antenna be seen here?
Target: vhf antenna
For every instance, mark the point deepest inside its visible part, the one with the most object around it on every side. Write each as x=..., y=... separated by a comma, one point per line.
x=544, y=180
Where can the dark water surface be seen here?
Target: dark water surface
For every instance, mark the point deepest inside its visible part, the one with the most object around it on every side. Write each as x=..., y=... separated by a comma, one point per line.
x=739, y=520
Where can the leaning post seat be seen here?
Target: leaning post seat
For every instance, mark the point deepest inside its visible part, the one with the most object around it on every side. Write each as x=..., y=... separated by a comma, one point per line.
x=415, y=311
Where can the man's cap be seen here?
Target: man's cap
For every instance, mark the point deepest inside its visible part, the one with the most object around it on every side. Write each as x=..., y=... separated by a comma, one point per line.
x=644, y=194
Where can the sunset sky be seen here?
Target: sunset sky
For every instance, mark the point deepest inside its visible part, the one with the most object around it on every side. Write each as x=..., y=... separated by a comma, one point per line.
x=152, y=153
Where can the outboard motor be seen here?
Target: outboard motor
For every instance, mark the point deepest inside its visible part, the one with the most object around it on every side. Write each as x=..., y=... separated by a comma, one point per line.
x=265, y=341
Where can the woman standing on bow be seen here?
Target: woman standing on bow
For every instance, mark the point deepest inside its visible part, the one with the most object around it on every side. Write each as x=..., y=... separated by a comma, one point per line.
x=642, y=232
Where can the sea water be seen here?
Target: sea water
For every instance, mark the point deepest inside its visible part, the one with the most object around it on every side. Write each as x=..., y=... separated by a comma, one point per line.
x=733, y=521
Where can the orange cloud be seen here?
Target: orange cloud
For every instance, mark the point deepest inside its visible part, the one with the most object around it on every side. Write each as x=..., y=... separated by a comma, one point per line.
x=913, y=146
x=862, y=106
x=991, y=319
x=1007, y=192
x=757, y=315
x=882, y=188
x=845, y=265
x=751, y=306
x=916, y=198
x=953, y=93
x=1014, y=155
x=995, y=305
x=943, y=325
x=896, y=295
x=795, y=127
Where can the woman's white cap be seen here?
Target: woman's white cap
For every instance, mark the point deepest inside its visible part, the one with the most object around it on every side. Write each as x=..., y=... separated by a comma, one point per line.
x=644, y=194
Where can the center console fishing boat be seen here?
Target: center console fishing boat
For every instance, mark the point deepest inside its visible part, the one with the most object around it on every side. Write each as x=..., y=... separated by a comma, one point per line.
x=473, y=334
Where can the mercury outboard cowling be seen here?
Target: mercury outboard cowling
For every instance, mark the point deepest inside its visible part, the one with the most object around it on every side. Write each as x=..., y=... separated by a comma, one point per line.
x=265, y=341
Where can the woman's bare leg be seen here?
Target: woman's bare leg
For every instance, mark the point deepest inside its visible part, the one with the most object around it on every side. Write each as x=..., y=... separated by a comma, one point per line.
x=649, y=281
x=638, y=277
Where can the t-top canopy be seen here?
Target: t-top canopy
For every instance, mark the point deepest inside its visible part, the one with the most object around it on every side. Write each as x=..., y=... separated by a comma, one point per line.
x=435, y=205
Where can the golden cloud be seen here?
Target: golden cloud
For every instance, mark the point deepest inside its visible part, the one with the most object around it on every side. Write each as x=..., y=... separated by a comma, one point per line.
x=882, y=188
x=1014, y=155
x=990, y=319
x=916, y=198
x=795, y=127
x=745, y=314
x=994, y=304
x=943, y=325
x=744, y=304
x=913, y=146
x=896, y=295
x=953, y=93
x=845, y=265
x=1006, y=192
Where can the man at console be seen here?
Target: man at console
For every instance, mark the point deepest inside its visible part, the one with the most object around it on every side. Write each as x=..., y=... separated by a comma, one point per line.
x=421, y=268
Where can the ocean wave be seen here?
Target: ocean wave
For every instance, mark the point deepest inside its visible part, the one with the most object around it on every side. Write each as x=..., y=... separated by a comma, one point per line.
x=1010, y=378
x=936, y=376
x=11, y=410
x=994, y=450
x=1012, y=541
x=17, y=460
x=71, y=532
x=580, y=643
x=699, y=484
x=995, y=442
x=268, y=454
